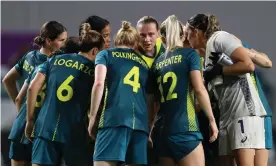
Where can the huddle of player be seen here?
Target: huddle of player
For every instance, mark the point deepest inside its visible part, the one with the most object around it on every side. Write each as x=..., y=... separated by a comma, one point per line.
x=139, y=99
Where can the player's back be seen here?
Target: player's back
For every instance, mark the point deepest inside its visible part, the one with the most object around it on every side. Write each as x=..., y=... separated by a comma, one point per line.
x=125, y=98
x=70, y=79
x=176, y=95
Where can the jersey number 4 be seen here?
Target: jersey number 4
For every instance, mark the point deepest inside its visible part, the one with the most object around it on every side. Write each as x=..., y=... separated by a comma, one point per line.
x=65, y=91
x=171, y=94
x=134, y=72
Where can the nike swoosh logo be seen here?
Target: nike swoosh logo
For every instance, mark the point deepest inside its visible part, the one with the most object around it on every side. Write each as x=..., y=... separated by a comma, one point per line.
x=244, y=139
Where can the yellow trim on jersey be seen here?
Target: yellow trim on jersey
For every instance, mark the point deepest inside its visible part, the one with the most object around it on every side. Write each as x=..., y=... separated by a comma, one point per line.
x=254, y=81
x=158, y=46
x=55, y=132
x=103, y=111
x=191, y=110
x=150, y=60
x=133, y=114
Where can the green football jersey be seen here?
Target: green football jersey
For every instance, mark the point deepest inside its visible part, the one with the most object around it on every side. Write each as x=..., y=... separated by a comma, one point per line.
x=172, y=78
x=70, y=78
x=27, y=63
x=125, y=93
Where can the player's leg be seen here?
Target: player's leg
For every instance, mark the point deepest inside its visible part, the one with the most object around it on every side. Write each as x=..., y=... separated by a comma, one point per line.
x=17, y=163
x=195, y=157
x=111, y=146
x=244, y=157
x=261, y=155
x=137, y=148
x=246, y=135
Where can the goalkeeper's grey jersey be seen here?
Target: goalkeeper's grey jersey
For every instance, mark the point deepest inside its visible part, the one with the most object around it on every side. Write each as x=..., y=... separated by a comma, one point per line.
x=237, y=96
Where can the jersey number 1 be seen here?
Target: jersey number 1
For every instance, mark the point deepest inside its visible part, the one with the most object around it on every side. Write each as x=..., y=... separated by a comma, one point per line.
x=134, y=72
x=65, y=91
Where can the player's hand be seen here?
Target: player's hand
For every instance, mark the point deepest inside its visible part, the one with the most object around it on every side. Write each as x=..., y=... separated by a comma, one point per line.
x=150, y=143
x=90, y=128
x=213, y=131
x=212, y=73
x=29, y=129
x=215, y=57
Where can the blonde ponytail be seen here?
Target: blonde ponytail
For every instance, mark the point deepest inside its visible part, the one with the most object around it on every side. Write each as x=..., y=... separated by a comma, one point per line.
x=172, y=30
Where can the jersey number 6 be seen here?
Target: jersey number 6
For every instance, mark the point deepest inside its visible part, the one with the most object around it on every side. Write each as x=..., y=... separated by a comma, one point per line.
x=65, y=91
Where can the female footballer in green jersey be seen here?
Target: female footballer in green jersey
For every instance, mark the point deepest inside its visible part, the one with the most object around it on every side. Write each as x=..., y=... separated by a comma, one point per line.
x=52, y=36
x=150, y=47
x=123, y=127
x=59, y=130
x=178, y=78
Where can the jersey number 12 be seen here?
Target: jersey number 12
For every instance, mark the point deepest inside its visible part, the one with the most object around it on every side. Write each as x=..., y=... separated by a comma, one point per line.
x=171, y=94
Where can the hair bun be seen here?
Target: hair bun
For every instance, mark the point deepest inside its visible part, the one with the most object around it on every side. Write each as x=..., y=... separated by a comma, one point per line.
x=39, y=40
x=126, y=25
x=85, y=28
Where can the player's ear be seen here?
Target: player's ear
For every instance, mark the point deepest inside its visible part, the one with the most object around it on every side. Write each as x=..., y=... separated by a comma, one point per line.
x=48, y=42
x=95, y=51
x=197, y=32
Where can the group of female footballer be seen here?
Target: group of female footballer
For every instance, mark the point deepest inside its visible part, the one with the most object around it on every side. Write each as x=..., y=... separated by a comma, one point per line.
x=141, y=102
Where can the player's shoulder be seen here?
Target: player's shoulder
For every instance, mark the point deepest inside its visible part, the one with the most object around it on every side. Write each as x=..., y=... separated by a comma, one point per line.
x=120, y=50
x=31, y=54
x=218, y=35
x=185, y=51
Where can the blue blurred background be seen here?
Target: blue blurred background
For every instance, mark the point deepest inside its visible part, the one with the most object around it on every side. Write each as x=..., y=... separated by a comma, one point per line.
x=252, y=22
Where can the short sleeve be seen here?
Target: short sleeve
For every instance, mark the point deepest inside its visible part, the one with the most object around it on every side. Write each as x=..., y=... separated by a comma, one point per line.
x=43, y=68
x=226, y=43
x=30, y=76
x=194, y=61
x=19, y=65
x=102, y=58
